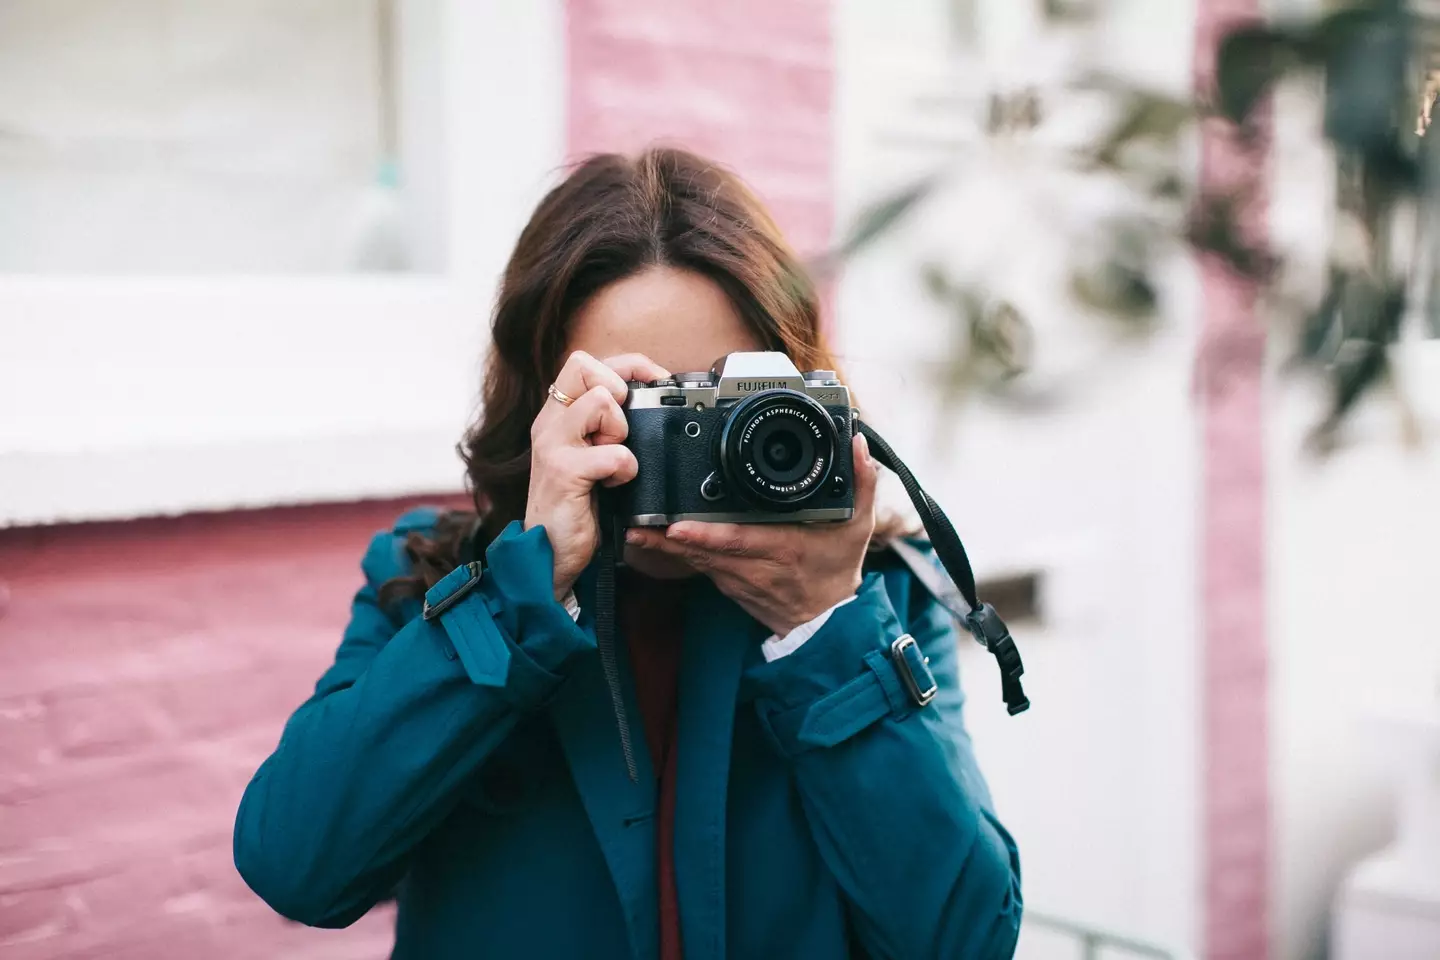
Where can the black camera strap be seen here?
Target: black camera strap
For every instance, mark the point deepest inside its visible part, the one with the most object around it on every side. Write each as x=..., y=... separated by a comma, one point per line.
x=612, y=536
x=979, y=618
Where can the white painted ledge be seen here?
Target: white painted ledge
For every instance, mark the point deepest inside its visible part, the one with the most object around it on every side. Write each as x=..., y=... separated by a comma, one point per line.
x=133, y=398
x=51, y=487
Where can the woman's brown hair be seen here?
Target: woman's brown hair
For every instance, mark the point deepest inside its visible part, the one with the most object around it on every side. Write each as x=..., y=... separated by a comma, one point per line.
x=611, y=218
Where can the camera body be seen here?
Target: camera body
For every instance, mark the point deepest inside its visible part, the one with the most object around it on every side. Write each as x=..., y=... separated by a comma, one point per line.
x=753, y=440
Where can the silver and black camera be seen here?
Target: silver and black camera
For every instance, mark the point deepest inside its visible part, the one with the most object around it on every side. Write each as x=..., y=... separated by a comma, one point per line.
x=753, y=440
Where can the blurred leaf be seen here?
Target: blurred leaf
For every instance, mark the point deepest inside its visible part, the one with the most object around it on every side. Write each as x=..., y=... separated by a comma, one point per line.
x=1247, y=63
x=965, y=300
x=1363, y=53
x=1427, y=158
x=1113, y=277
x=1214, y=228
x=1122, y=292
x=1350, y=381
x=1365, y=56
x=1432, y=305
x=1318, y=334
x=1362, y=362
x=1390, y=172
x=1383, y=326
x=1168, y=186
x=882, y=216
x=1003, y=335
x=968, y=363
x=1360, y=305
x=1330, y=37
x=1333, y=32
x=937, y=283
x=1013, y=111
x=1150, y=116
x=1068, y=11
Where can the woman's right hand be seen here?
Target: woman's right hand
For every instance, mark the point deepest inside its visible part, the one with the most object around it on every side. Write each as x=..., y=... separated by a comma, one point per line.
x=573, y=448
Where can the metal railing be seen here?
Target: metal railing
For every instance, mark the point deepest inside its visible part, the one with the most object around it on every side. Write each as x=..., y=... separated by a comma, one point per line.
x=1092, y=939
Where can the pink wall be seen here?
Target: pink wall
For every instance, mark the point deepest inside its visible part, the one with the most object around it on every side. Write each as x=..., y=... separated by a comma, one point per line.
x=145, y=671
x=746, y=82
x=1234, y=654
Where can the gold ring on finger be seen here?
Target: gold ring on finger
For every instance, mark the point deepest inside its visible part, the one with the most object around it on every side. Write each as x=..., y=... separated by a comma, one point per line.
x=557, y=394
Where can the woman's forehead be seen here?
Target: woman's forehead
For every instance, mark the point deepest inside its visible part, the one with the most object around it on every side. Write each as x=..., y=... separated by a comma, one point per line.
x=680, y=319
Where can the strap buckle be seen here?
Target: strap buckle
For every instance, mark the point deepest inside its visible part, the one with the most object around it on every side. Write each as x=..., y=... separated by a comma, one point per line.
x=914, y=669
x=992, y=634
x=451, y=590
x=990, y=631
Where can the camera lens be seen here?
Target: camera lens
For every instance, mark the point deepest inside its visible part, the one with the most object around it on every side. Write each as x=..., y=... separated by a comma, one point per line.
x=777, y=448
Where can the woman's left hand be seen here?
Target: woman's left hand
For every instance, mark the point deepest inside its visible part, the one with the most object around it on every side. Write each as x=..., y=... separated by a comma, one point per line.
x=781, y=574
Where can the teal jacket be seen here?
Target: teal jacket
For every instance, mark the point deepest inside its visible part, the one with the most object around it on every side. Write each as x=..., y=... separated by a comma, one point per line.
x=470, y=766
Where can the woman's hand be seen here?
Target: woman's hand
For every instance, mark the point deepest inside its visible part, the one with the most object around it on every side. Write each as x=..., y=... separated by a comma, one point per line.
x=572, y=448
x=783, y=575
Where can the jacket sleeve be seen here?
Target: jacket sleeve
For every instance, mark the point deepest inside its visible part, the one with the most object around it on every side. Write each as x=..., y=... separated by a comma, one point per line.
x=370, y=763
x=895, y=800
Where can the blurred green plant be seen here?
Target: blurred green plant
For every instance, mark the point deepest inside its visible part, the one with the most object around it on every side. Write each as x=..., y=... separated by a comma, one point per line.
x=1378, y=71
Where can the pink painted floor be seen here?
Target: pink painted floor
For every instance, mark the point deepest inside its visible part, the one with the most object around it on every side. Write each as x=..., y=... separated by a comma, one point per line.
x=146, y=669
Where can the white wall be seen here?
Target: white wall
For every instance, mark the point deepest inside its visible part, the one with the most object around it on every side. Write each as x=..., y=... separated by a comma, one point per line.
x=129, y=396
x=1353, y=637
x=1353, y=582
x=1099, y=779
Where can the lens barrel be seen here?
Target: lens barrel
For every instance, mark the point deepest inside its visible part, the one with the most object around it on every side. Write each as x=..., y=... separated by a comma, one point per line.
x=777, y=448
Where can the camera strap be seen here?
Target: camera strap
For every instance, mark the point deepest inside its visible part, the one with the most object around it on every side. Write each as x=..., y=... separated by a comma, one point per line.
x=612, y=536
x=979, y=618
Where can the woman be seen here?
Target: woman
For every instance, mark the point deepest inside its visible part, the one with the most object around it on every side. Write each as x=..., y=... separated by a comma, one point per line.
x=792, y=800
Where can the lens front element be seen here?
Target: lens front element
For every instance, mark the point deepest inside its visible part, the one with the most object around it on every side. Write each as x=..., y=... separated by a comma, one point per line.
x=777, y=448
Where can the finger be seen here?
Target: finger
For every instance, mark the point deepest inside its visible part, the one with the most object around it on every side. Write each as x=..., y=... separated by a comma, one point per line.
x=648, y=538
x=730, y=539
x=636, y=366
x=867, y=478
x=583, y=373
x=653, y=539
x=594, y=418
x=609, y=465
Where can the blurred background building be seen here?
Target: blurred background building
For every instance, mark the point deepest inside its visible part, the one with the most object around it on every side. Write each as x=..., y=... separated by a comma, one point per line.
x=222, y=224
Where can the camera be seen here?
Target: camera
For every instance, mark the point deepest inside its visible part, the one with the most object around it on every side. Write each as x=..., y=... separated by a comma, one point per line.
x=753, y=440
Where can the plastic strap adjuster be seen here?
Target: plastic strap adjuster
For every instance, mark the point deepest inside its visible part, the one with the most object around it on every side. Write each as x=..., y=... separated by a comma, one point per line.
x=992, y=634
x=451, y=589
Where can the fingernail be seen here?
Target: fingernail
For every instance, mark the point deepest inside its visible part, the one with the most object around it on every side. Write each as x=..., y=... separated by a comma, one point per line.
x=864, y=444
x=633, y=536
x=674, y=533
